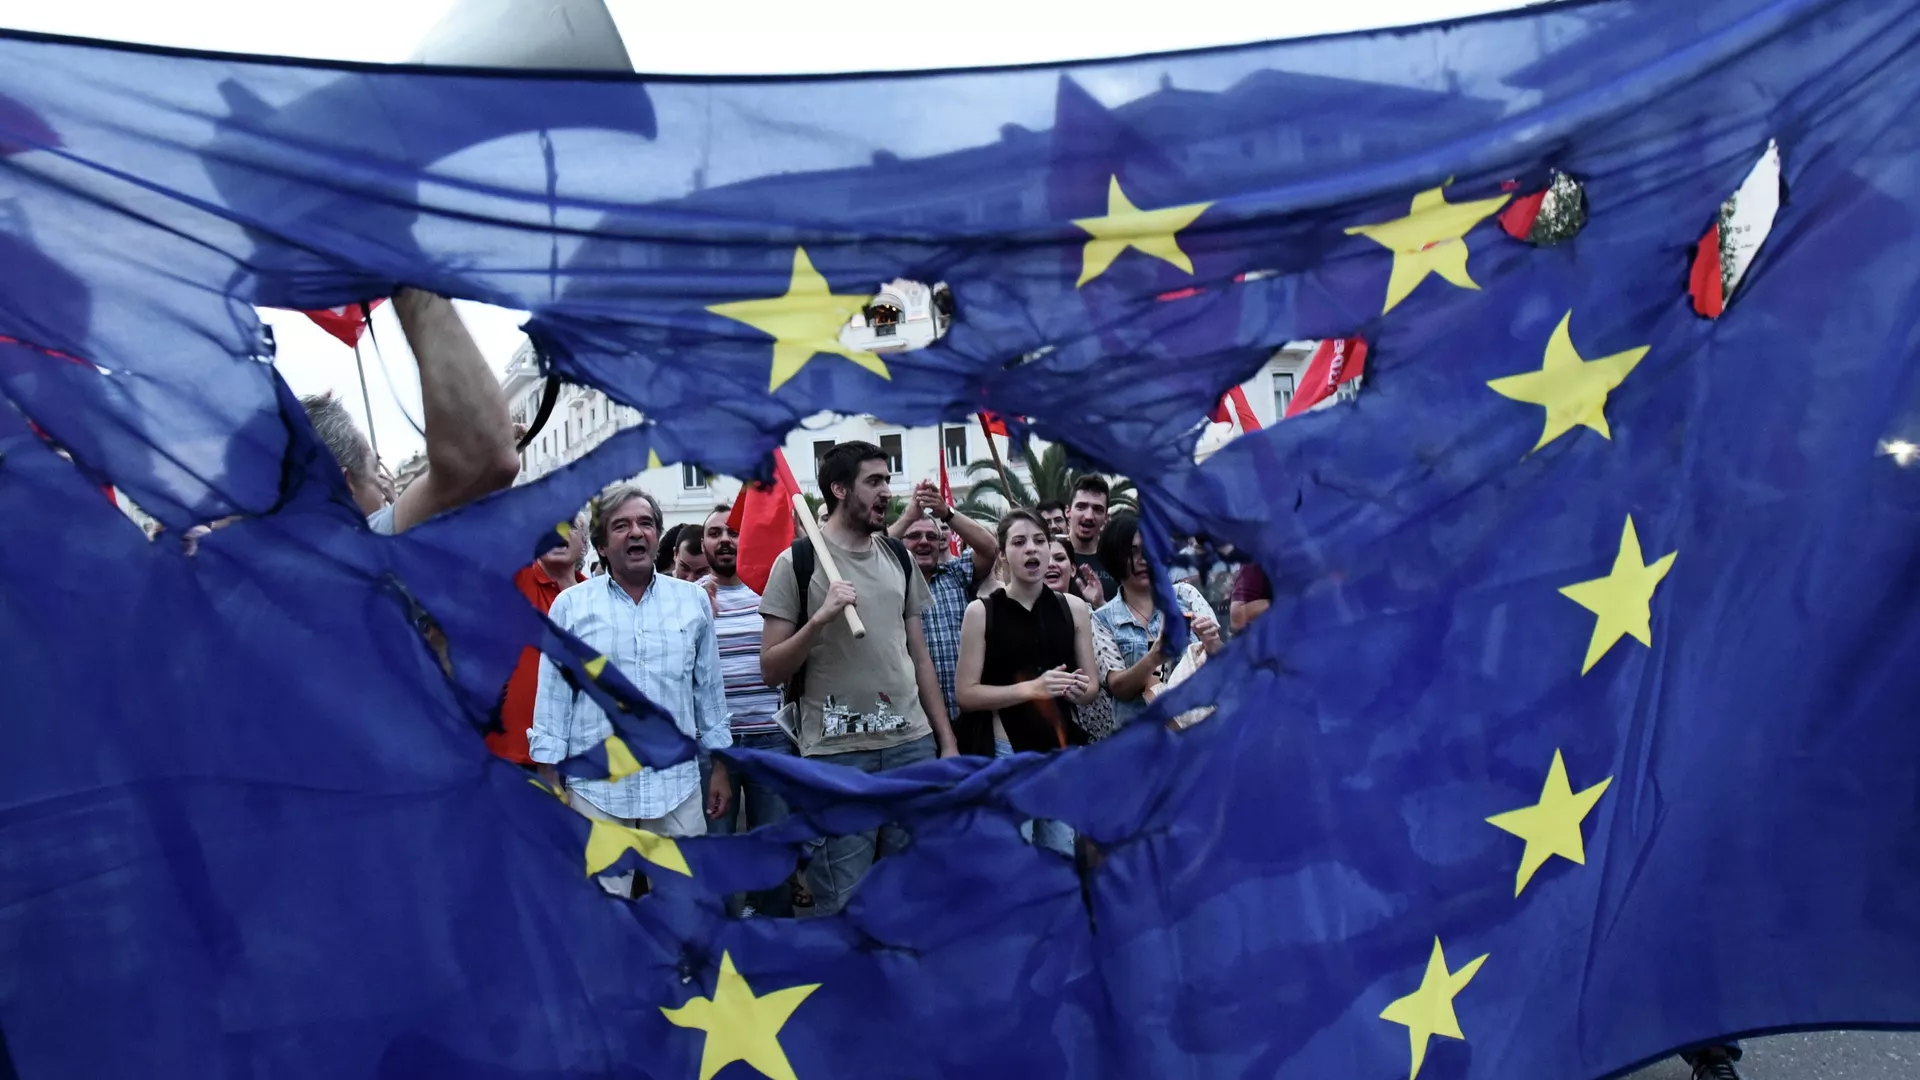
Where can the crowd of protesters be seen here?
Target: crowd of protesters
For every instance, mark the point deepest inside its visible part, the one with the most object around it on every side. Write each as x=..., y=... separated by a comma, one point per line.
x=1043, y=633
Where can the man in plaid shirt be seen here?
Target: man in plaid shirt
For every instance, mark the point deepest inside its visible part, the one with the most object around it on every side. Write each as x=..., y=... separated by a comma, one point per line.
x=953, y=582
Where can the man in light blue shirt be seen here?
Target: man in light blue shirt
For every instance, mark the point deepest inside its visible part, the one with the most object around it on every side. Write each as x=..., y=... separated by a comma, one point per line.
x=660, y=633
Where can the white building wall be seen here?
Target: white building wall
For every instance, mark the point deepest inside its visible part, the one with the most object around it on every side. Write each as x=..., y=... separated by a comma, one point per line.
x=583, y=419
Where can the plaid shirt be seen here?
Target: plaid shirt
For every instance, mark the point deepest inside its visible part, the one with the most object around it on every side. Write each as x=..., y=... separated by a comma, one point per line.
x=952, y=589
x=665, y=646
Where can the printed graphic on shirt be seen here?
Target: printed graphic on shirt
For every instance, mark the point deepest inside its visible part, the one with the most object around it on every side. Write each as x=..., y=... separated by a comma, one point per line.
x=837, y=720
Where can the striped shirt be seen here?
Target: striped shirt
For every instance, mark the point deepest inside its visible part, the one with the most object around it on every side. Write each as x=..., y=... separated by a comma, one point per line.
x=738, y=626
x=665, y=646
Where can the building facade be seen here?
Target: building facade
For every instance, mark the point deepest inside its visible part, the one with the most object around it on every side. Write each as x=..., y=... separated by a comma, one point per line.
x=583, y=418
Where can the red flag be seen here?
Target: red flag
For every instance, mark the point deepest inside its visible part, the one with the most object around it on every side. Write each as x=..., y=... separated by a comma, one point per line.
x=1242, y=411
x=946, y=496
x=1709, y=297
x=1519, y=216
x=346, y=323
x=763, y=516
x=992, y=424
x=1335, y=362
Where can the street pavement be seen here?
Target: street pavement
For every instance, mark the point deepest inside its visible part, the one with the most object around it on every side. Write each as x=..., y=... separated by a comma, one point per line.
x=1819, y=1055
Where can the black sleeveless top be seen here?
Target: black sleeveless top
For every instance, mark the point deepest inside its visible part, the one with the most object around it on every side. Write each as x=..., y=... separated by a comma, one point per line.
x=1020, y=645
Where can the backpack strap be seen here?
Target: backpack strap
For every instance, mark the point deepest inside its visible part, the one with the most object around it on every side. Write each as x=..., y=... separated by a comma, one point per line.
x=905, y=558
x=803, y=559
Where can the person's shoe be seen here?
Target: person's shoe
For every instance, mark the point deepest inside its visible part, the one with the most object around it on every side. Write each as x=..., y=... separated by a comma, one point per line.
x=1715, y=1064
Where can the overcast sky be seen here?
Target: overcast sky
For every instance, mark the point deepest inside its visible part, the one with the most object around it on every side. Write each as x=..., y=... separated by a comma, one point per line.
x=785, y=36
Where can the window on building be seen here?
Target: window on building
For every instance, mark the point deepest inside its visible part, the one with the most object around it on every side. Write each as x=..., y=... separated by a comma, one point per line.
x=693, y=477
x=1282, y=393
x=954, y=439
x=890, y=445
x=820, y=448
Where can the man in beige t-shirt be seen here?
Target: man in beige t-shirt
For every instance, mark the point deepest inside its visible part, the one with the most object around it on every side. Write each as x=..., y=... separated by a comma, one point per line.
x=871, y=704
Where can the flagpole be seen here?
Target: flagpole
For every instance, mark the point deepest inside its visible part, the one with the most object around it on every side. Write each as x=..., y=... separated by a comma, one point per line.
x=365, y=401
x=993, y=448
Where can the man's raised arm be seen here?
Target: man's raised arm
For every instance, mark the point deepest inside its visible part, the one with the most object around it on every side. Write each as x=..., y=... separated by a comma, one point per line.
x=470, y=449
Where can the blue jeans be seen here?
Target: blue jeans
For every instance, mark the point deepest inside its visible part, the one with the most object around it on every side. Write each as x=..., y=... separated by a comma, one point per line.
x=757, y=805
x=1055, y=836
x=839, y=862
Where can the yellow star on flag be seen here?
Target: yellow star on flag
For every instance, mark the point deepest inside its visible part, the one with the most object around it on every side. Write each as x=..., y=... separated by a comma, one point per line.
x=1572, y=390
x=1428, y=1011
x=1153, y=232
x=653, y=460
x=608, y=841
x=595, y=666
x=804, y=322
x=741, y=1026
x=1429, y=240
x=1620, y=601
x=620, y=760
x=1551, y=826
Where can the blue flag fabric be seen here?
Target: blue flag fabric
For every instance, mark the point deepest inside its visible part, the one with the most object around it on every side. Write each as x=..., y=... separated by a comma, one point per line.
x=1580, y=732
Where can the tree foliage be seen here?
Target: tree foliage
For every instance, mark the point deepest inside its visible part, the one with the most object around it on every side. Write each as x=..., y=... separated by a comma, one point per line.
x=1048, y=478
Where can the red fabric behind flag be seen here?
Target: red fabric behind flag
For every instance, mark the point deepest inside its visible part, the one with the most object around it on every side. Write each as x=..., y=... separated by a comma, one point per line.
x=992, y=424
x=1242, y=411
x=1520, y=214
x=346, y=323
x=763, y=516
x=1335, y=362
x=1709, y=298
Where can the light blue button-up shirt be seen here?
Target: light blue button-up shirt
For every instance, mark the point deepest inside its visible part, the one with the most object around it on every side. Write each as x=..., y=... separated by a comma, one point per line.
x=665, y=646
x=1135, y=641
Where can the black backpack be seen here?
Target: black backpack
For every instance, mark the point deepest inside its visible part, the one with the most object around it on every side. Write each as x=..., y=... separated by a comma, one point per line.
x=803, y=561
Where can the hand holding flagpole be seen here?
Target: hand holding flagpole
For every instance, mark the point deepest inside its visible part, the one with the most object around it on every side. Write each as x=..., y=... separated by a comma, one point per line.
x=825, y=555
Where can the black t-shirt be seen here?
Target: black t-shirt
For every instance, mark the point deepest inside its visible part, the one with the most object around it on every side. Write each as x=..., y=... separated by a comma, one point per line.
x=1022, y=643
x=1107, y=584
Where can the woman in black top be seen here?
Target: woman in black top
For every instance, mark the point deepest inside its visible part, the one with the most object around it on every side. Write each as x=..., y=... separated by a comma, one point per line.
x=1026, y=662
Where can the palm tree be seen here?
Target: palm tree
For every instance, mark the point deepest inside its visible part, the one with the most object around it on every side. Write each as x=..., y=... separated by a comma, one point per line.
x=1049, y=478
x=895, y=507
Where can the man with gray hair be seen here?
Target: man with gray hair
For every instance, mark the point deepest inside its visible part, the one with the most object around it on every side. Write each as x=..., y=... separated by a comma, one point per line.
x=659, y=632
x=469, y=437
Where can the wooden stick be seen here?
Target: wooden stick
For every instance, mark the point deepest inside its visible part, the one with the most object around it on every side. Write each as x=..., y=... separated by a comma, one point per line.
x=825, y=554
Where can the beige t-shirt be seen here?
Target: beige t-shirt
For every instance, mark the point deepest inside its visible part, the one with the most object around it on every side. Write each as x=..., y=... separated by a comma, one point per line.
x=860, y=695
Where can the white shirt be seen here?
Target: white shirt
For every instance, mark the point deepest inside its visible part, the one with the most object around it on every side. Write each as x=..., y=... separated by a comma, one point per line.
x=665, y=646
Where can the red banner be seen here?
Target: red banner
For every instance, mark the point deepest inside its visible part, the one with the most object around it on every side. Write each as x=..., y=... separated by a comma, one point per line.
x=346, y=323
x=1241, y=411
x=1704, y=282
x=763, y=516
x=1336, y=362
